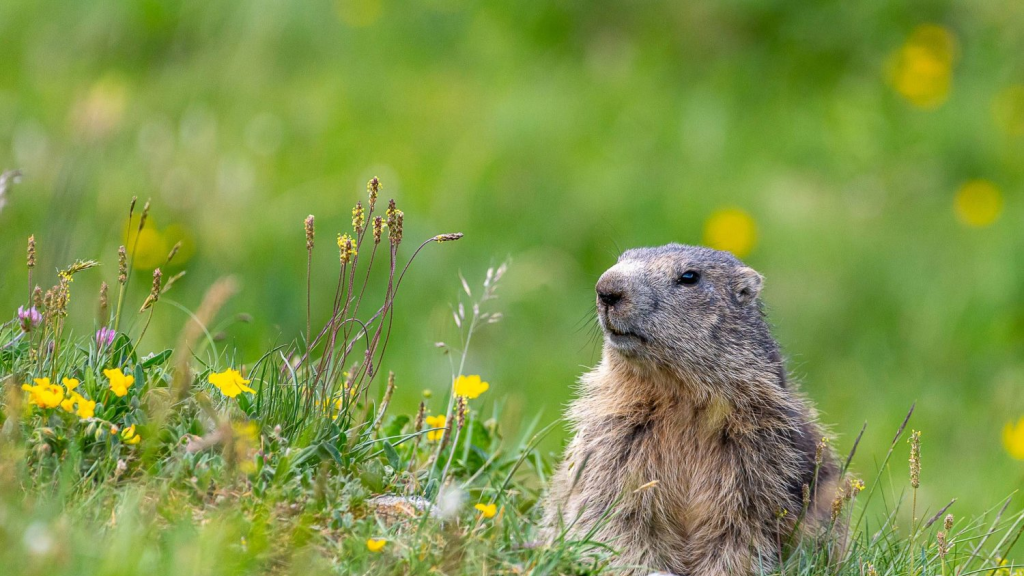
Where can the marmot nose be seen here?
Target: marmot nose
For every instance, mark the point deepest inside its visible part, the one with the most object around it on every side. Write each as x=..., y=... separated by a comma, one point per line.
x=609, y=298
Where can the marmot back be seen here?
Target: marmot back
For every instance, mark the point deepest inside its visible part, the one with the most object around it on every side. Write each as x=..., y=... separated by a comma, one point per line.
x=691, y=454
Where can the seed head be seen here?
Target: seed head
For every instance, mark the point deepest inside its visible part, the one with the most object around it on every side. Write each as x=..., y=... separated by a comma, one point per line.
x=378, y=229
x=104, y=302
x=837, y=504
x=915, y=458
x=806, y=493
x=174, y=251
x=373, y=187
x=131, y=207
x=448, y=237
x=420, y=415
x=31, y=252
x=819, y=451
x=940, y=537
x=461, y=411
x=154, y=291
x=309, y=232
x=122, y=265
x=871, y=570
x=346, y=248
x=947, y=522
x=395, y=220
x=358, y=218
x=37, y=298
x=145, y=214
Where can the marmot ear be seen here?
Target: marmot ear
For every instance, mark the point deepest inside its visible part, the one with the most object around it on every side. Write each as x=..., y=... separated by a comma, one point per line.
x=747, y=286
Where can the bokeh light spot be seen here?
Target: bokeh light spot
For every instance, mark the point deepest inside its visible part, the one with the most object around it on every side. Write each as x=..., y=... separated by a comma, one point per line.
x=978, y=203
x=922, y=69
x=731, y=229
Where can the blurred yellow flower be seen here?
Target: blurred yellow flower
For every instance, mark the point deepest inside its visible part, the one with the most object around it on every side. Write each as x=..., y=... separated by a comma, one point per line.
x=230, y=383
x=70, y=383
x=44, y=394
x=487, y=510
x=128, y=435
x=922, y=69
x=375, y=544
x=1013, y=438
x=78, y=404
x=438, y=421
x=470, y=386
x=1008, y=110
x=978, y=203
x=119, y=382
x=731, y=229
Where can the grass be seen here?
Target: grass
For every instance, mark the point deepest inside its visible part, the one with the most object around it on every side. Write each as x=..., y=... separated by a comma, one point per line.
x=311, y=471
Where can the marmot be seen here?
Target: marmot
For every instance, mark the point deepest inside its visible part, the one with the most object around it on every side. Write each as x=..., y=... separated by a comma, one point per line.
x=692, y=453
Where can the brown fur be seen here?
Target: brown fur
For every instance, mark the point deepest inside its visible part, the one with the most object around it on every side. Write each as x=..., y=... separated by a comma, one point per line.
x=691, y=450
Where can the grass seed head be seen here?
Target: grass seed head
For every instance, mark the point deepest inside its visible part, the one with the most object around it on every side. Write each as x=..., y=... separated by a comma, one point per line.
x=373, y=188
x=346, y=248
x=174, y=251
x=309, y=232
x=358, y=218
x=104, y=302
x=31, y=252
x=915, y=458
x=37, y=298
x=947, y=522
x=122, y=265
x=154, y=291
x=378, y=229
x=448, y=237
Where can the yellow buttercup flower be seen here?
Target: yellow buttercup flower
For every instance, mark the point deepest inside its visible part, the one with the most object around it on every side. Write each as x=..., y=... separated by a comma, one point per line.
x=470, y=386
x=438, y=421
x=978, y=203
x=128, y=435
x=922, y=69
x=44, y=394
x=1013, y=439
x=230, y=383
x=119, y=382
x=487, y=510
x=375, y=544
x=732, y=230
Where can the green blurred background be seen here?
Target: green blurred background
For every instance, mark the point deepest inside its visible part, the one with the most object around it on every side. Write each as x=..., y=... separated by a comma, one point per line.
x=867, y=157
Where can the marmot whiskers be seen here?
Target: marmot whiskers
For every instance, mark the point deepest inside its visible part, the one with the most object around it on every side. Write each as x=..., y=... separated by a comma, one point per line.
x=692, y=453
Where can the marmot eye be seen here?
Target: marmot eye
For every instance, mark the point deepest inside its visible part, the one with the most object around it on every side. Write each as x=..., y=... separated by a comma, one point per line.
x=689, y=278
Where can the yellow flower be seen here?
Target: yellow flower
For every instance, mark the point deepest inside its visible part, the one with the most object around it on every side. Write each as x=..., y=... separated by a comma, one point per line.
x=470, y=386
x=375, y=544
x=128, y=435
x=978, y=203
x=487, y=510
x=86, y=408
x=119, y=382
x=732, y=230
x=230, y=383
x=922, y=69
x=1013, y=439
x=438, y=421
x=44, y=394
x=70, y=384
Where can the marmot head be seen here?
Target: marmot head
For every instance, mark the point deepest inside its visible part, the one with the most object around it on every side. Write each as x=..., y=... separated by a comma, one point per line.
x=688, y=310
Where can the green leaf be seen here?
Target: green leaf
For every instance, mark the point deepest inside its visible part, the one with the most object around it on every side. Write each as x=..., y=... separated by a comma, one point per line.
x=392, y=456
x=156, y=359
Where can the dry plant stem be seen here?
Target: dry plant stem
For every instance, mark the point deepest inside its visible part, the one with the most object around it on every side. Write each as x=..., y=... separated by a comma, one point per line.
x=309, y=267
x=451, y=394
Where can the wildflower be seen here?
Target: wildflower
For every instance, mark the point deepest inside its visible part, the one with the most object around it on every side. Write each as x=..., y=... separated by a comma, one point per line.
x=1013, y=439
x=732, y=230
x=915, y=458
x=358, y=218
x=230, y=383
x=439, y=421
x=346, y=248
x=487, y=510
x=119, y=381
x=856, y=487
x=128, y=435
x=378, y=229
x=469, y=386
x=29, y=317
x=309, y=232
x=978, y=203
x=922, y=69
x=105, y=336
x=44, y=394
x=86, y=408
x=375, y=544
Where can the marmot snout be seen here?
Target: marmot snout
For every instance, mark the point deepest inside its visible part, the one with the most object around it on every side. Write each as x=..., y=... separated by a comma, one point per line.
x=688, y=428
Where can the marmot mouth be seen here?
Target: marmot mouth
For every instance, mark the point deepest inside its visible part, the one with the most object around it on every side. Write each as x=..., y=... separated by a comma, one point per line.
x=621, y=334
